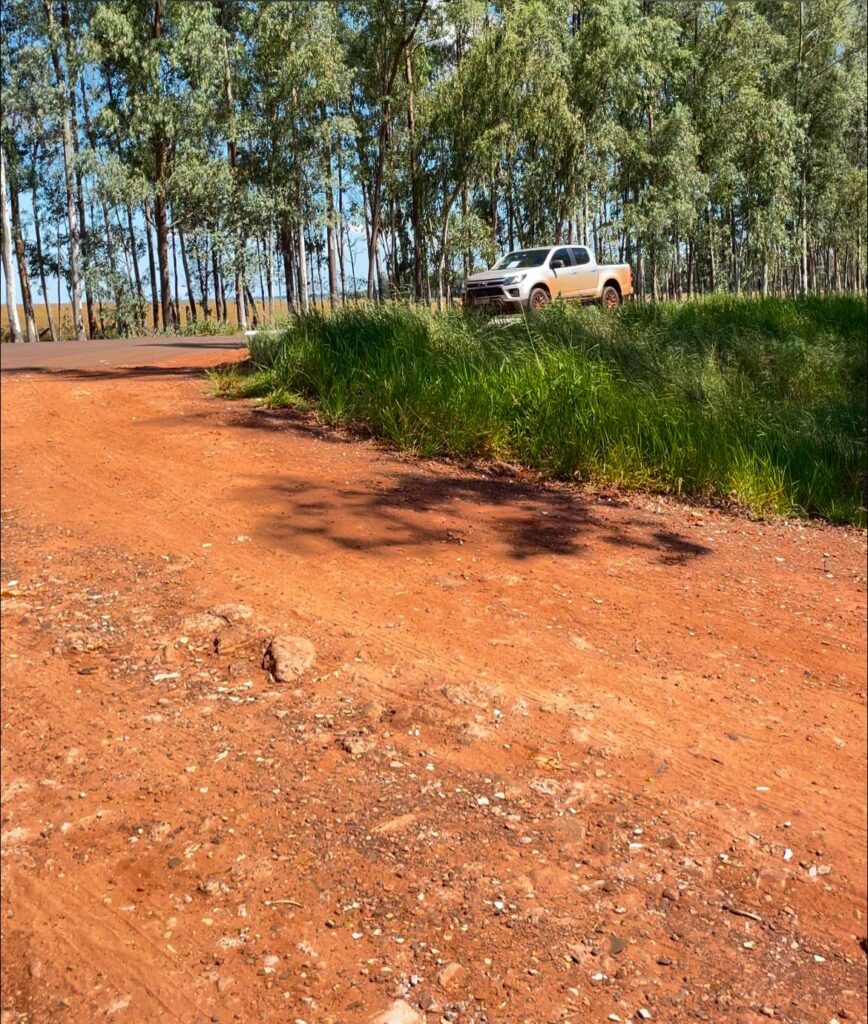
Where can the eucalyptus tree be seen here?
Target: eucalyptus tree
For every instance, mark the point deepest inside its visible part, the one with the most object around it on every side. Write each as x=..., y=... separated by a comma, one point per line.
x=164, y=78
x=294, y=91
x=380, y=33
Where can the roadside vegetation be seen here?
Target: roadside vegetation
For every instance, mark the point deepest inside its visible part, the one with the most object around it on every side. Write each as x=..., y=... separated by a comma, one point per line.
x=760, y=401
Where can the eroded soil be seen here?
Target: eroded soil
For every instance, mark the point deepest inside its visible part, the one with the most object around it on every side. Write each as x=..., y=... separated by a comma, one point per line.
x=562, y=755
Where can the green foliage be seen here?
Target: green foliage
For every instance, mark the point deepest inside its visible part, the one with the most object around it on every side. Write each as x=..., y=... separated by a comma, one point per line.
x=762, y=401
x=717, y=147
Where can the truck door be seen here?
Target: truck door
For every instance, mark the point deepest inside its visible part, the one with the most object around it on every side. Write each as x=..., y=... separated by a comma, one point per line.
x=586, y=272
x=563, y=280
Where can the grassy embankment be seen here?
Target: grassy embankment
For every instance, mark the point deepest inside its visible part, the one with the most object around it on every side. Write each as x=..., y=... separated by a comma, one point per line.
x=758, y=401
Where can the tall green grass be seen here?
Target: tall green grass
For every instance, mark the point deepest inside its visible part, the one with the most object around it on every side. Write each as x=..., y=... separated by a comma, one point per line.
x=758, y=400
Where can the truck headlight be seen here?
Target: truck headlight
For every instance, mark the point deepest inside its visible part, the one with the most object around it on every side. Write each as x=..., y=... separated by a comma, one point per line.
x=514, y=278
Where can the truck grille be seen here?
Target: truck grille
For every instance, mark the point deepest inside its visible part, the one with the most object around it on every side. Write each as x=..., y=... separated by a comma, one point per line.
x=484, y=291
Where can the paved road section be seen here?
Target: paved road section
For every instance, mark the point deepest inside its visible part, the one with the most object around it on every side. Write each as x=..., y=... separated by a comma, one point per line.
x=85, y=355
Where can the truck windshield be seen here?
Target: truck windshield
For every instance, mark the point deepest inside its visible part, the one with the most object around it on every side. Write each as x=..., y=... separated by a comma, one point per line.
x=522, y=258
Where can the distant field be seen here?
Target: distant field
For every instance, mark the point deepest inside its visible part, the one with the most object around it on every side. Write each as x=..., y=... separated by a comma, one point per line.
x=281, y=308
x=757, y=401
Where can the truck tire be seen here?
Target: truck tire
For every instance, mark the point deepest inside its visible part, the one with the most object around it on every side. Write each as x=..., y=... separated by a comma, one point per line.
x=538, y=298
x=610, y=298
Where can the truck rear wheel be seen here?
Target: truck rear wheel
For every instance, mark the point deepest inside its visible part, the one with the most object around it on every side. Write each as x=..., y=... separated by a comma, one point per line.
x=611, y=297
x=539, y=298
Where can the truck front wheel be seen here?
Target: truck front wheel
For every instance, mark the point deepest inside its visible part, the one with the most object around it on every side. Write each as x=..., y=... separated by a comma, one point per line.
x=611, y=297
x=539, y=297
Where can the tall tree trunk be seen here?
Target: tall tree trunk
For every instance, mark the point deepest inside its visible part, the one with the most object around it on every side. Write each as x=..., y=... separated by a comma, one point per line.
x=690, y=251
x=134, y=252
x=494, y=202
x=233, y=167
x=21, y=259
x=202, y=272
x=176, y=290
x=160, y=151
x=251, y=305
x=152, y=268
x=415, y=219
x=69, y=178
x=191, y=298
x=52, y=330
x=286, y=252
x=11, y=304
x=318, y=248
x=106, y=219
x=302, y=270
x=331, y=244
x=162, y=231
x=219, y=308
x=395, y=279
x=341, y=227
x=352, y=260
x=269, y=270
x=79, y=187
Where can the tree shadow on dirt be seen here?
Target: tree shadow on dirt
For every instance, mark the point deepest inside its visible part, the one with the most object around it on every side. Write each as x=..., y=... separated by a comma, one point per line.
x=410, y=505
x=416, y=509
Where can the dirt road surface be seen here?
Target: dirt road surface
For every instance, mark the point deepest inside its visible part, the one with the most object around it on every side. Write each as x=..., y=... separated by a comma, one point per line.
x=540, y=754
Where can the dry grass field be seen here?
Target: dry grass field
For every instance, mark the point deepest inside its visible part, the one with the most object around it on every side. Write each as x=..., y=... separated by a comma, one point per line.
x=62, y=315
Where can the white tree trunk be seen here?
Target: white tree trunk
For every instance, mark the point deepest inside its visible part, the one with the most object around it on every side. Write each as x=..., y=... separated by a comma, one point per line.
x=302, y=269
x=11, y=303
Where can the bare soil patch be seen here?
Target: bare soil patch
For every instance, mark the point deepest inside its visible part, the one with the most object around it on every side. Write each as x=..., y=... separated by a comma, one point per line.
x=549, y=755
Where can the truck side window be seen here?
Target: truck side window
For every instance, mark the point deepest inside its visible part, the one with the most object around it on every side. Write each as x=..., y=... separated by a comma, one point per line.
x=581, y=256
x=562, y=254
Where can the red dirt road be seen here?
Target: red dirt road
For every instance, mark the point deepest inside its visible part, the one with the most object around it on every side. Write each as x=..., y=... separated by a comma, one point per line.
x=562, y=755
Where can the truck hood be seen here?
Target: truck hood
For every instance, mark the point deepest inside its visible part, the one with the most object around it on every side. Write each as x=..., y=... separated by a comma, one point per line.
x=490, y=275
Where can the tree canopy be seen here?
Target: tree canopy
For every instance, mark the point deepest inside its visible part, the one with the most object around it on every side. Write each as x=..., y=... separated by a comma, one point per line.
x=386, y=148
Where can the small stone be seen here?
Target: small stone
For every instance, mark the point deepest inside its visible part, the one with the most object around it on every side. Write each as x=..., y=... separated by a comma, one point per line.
x=664, y=961
x=643, y=1013
x=671, y=894
x=451, y=975
x=358, y=742
x=616, y=945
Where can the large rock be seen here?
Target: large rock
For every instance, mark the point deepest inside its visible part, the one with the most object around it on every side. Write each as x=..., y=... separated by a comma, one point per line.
x=287, y=657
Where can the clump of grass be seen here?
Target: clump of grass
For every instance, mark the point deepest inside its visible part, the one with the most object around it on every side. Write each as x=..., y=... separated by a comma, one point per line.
x=240, y=382
x=758, y=400
x=202, y=328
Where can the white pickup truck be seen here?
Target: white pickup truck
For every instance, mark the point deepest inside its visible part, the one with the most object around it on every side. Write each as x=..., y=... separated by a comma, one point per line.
x=532, y=278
